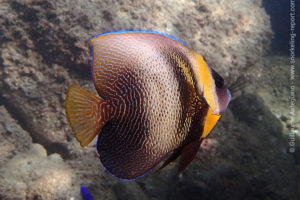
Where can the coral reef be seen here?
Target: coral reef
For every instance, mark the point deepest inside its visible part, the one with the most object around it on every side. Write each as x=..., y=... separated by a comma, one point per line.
x=44, y=49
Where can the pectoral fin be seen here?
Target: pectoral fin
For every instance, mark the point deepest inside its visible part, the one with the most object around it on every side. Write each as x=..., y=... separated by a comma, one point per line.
x=171, y=158
x=188, y=154
x=210, y=122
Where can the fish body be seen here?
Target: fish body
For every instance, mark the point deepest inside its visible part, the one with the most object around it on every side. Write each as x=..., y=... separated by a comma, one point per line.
x=156, y=98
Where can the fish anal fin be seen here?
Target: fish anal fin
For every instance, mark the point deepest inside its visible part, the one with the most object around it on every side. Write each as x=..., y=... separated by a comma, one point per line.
x=86, y=114
x=188, y=154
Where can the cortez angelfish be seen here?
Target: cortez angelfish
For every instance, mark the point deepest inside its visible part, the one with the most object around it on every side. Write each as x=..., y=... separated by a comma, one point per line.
x=156, y=98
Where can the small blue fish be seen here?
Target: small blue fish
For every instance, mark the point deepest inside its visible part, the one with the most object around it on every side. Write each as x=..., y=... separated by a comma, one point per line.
x=85, y=194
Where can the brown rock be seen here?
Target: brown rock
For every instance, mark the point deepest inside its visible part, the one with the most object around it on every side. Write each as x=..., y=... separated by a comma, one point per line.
x=33, y=175
x=13, y=139
x=44, y=48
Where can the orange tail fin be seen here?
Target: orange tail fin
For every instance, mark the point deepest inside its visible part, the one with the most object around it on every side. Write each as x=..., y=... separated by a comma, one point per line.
x=85, y=113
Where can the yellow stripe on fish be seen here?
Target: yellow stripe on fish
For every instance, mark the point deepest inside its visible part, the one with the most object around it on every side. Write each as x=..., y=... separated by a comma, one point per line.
x=156, y=97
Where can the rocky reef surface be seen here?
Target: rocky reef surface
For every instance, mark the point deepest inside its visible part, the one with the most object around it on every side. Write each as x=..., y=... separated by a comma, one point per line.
x=44, y=49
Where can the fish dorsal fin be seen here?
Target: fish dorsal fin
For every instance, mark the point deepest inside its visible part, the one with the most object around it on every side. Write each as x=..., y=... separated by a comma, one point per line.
x=140, y=32
x=125, y=153
x=85, y=113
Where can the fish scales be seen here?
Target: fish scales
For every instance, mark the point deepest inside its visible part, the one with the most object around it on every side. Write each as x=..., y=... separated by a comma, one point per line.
x=151, y=100
x=164, y=89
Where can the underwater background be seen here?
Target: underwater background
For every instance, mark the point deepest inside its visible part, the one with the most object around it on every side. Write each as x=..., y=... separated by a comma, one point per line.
x=44, y=48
